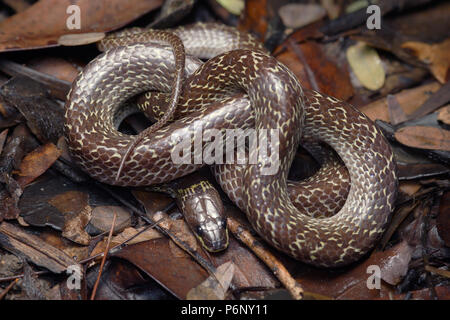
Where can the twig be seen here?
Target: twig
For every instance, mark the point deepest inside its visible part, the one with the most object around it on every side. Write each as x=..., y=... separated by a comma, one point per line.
x=442, y=273
x=20, y=276
x=9, y=287
x=108, y=243
x=243, y=235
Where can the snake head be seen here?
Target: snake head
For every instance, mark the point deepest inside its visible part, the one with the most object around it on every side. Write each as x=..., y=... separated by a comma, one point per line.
x=204, y=213
x=213, y=239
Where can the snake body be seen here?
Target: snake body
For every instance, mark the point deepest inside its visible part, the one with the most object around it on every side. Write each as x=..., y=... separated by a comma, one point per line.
x=238, y=89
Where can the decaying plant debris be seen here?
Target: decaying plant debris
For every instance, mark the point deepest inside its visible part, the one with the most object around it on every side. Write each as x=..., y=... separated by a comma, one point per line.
x=53, y=217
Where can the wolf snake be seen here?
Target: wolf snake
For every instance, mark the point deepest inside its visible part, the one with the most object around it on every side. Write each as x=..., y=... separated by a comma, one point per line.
x=241, y=88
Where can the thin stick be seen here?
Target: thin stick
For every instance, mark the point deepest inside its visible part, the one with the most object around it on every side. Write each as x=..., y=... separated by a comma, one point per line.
x=9, y=287
x=108, y=243
x=278, y=269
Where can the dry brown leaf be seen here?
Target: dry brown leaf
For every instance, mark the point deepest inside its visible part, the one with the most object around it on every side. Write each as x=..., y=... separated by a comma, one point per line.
x=424, y=137
x=77, y=213
x=409, y=100
x=70, y=201
x=28, y=29
x=437, y=56
x=351, y=283
x=126, y=234
x=102, y=217
x=181, y=230
x=444, y=114
x=75, y=224
x=37, y=162
x=154, y=257
x=409, y=187
x=313, y=68
x=255, y=17
x=216, y=286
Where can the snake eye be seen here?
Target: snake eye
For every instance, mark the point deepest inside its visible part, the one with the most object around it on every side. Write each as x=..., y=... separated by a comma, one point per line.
x=223, y=222
x=199, y=230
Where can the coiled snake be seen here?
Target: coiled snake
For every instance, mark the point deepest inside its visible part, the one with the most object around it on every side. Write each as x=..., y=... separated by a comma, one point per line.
x=241, y=88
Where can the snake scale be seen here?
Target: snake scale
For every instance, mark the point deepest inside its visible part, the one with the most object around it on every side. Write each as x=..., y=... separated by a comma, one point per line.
x=241, y=88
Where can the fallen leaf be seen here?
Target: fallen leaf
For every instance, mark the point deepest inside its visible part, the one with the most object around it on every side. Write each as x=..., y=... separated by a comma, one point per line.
x=396, y=113
x=45, y=117
x=444, y=114
x=216, y=286
x=75, y=224
x=437, y=56
x=77, y=213
x=102, y=217
x=424, y=137
x=351, y=282
x=126, y=234
x=37, y=162
x=367, y=66
x=409, y=100
x=182, y=231
x=332, y=8
x=56, y=67
x=234, y=6
x=295, y=15
x=26, y=30
x=80, y=38
x=409, y=187
x=314, y=69
x=154, y=257
x=255, y=18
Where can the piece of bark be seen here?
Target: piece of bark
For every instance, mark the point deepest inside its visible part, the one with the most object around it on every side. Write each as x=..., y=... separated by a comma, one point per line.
x=437, y=99
x=34, y=249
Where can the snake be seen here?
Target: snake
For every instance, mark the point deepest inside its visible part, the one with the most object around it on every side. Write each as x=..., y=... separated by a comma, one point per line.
x=240, y=87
